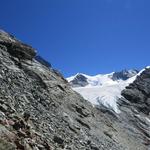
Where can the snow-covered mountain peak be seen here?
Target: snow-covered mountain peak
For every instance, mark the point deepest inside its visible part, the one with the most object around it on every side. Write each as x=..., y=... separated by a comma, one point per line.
x=103, y=89
x=83, y=80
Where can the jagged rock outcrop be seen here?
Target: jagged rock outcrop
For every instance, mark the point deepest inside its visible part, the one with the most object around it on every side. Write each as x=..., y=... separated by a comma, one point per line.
x=79, y=81
x=138, y=93
x=135, y=105
x=15, y=47
x=40, y=111
x=124, y=74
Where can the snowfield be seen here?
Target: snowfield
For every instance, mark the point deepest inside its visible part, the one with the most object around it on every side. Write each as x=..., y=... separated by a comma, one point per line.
x=107, y=94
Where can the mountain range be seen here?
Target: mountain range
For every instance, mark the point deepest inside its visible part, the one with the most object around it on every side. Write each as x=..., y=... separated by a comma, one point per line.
x=103, y=89
x=41, y=110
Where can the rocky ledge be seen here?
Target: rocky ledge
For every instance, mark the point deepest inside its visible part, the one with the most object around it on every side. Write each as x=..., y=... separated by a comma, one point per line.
x=40, y=111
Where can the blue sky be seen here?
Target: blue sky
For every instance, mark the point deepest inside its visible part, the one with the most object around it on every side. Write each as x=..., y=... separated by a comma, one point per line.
x=89, y=36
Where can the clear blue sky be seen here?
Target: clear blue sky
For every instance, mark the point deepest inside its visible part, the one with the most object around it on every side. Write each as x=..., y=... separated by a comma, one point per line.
x=89, y=36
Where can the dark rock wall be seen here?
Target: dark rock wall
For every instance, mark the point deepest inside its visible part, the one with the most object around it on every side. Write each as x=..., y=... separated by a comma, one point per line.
x=138, y=93
x=135, y=105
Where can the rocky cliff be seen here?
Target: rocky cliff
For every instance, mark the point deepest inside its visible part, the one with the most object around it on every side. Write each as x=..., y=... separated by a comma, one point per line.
x=40, y=111
x=136, y=105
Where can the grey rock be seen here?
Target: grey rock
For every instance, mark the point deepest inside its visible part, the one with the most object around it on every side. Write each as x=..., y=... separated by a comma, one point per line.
x=58, y=140
x=124, y=74
x=41, y=111
x=138, y=93
x=135, y=106
x=79, y=81
x=15, y=47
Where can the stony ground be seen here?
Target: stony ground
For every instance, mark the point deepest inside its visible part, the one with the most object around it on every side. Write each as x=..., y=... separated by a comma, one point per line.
x=40, y=111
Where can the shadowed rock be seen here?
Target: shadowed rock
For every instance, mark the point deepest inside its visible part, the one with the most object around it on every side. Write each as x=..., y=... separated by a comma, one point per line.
x=15, y=47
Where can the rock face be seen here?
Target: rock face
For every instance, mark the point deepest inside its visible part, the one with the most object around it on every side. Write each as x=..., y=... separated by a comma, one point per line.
x=124, y=74
x=40, y=111
x=15, y=47
x=135, y=105
x=138, y=93
x=79, y=81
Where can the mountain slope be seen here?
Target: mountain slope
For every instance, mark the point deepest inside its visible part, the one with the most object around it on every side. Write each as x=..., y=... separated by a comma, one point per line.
x=40, y=111
x=135, y=105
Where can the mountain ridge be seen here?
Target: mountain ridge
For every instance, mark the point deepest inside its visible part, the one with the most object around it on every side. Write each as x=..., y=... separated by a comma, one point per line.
x=40, y=111
x=116, y=76
x=103, y=88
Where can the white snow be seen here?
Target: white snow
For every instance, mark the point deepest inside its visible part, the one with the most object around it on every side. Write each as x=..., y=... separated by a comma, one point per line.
x=103, y=90
x=107, y=94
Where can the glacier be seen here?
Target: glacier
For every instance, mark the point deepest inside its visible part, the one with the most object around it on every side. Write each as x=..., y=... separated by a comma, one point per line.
x=102, y=89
